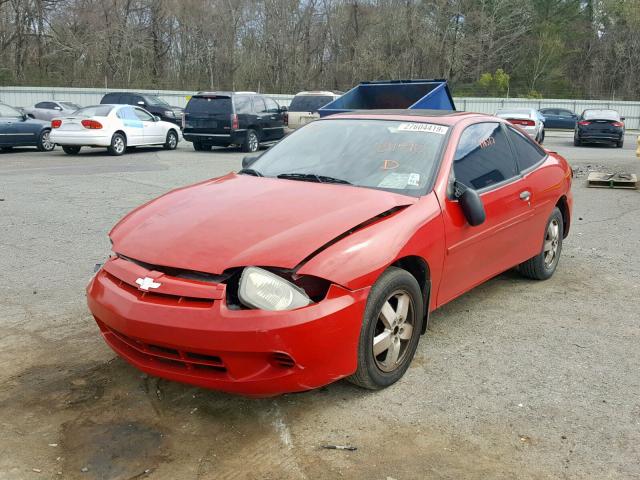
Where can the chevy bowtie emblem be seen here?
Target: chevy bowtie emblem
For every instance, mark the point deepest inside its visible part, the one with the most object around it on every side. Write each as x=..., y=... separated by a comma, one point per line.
x=146, y=283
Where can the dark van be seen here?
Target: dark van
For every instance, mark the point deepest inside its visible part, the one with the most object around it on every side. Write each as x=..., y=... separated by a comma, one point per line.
x=222, y=119
x=151, y=103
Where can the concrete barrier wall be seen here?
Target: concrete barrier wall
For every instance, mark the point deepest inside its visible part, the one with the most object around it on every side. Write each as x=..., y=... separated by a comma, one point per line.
x=27, y=96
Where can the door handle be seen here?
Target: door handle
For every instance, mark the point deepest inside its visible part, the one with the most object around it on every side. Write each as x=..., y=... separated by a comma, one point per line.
x=525, y=196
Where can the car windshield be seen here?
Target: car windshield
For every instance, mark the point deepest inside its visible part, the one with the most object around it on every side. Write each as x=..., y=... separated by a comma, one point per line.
x=156, y=101
x=383, y=154
x=94, y=111
x=9, y=112
x=70, y=106
x=601, y=115
x=209, y=105
x=308, y=103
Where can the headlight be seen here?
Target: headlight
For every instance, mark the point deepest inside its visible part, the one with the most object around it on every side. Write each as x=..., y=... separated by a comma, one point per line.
x=262, y=289
x=169, y=113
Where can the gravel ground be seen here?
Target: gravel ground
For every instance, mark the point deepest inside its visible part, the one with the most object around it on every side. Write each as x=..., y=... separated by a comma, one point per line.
x=515, y=379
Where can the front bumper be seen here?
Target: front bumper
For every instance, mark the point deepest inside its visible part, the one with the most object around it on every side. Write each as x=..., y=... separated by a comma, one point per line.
x=80, y=138
x=188, y=334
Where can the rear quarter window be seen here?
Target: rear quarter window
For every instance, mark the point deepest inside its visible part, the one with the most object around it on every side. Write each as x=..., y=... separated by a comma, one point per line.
x=111, y=98
x=526, y=152
x=309, y=103
x=209, y=105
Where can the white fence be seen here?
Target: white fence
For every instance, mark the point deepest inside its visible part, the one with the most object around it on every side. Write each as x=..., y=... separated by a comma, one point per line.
x=27, y=96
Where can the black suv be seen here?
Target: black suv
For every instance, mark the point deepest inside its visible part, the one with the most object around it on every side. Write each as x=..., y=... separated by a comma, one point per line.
x=151, y=103
x=232, y=118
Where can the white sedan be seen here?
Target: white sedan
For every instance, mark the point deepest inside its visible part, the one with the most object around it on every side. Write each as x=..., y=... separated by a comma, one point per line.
x=528, y=119
x=115, y=127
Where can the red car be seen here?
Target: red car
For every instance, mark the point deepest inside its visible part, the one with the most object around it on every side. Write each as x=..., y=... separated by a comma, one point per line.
x=323, y=257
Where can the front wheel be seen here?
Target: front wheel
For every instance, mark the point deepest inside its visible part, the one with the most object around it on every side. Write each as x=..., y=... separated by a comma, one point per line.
x=543, y=265
x=251, y=142
x=118, y=144
x=390, y=331
x=44, y=142
x=71, y=150
x=172, y=140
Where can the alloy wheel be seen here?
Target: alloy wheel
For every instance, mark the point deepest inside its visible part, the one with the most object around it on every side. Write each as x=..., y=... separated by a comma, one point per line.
x=551, y=241
x=118, y=144
x=253, y=142
x=393, y=331
x=47, y=144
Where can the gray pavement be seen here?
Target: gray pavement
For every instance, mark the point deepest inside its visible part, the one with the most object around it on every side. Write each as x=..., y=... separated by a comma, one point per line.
x=515, y=379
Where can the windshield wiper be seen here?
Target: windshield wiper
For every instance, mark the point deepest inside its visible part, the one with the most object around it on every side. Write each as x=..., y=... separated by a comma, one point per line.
x=251, y=171
x=312, y=177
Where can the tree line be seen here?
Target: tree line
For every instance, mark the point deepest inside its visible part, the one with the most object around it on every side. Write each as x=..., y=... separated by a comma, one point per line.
x=528, y=48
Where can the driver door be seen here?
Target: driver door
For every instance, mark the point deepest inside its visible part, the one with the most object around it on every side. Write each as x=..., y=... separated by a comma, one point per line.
x=484, y=161
x=153, y=131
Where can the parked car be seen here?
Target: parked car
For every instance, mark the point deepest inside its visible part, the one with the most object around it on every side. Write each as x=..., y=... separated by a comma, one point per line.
x=50, y=109
x=151, y=103
x=559, y=118
x=322, y=258
x=529, y=119
x=18, y=130
x=599, y=126
x=115, y=127
x=304, y=107
x=222, y=119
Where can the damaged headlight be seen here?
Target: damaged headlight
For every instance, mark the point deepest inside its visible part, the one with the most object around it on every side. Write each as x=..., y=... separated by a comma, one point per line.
x=262, y=289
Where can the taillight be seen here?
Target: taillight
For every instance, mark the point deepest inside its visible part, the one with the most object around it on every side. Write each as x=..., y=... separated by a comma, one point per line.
x=617, y=124
x=584, y=123
x=286, y=118
x=91, y=124
x=234, y=121
x=56, y=123
x=522, y=122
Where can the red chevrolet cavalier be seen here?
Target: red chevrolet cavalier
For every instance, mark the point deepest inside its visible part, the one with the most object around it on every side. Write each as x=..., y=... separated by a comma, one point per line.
x=323, y=257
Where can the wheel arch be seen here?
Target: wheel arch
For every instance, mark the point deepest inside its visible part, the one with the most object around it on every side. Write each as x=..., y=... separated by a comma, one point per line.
x=563, y=206
x=121, y=132
x=419, y=268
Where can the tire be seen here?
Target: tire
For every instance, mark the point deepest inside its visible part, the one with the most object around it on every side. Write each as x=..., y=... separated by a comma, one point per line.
x=118, y=145
x=6, y=149
x=44, y=142
x=541, y=267
x=251, y=141
x=172, y=140
x=71, y=150
x=541, y=137
x=577, y=142
x=620, y=144
x=379, y=371
x=201, y=147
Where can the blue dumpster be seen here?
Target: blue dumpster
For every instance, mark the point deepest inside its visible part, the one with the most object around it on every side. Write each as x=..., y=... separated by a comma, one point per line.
x=393, y=94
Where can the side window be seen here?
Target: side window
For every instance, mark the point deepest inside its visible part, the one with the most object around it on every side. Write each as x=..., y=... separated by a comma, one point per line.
x=565, y=113
x=243, y=104
x=127, y=113
x=142, y=115
x=50, y=106
x=272, y=106
x=483, y=157
x=258, y=105
x=134, y=99
x=112, y=98
x=41, y=105
x=527, y=153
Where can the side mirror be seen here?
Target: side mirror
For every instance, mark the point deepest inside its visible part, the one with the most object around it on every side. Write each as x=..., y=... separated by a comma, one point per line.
x=284, y=109
x=156, y=118
x=58, y=108
x=622, y=119
x=249, y=160
x=471, y=205
x=25, y=117
x=141, y=103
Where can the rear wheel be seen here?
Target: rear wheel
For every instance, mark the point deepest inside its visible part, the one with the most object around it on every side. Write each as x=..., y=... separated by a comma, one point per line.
x=118, y=144
x=201, y=147
x=390, y=331
x=172, y=140
x=541, y=137
x=71, y=150
x=543, y=265
x=6, y=149
x=620, y=144
x=44, y=142
x=251, y=142
x=576, y=142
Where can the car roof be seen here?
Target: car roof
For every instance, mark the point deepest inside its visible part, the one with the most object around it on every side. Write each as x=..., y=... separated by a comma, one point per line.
x=224, y=93
x=448, y=117
x=319, y=92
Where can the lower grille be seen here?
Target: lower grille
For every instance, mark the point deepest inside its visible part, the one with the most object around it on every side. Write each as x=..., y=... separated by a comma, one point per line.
x=164, y=356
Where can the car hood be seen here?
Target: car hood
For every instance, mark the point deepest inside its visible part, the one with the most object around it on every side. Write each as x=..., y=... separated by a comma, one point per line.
x=241, y=220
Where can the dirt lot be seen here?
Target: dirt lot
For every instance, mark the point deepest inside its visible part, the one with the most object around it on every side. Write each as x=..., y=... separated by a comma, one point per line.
x=516, y=379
